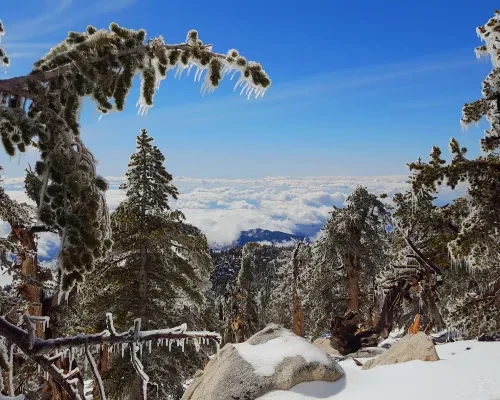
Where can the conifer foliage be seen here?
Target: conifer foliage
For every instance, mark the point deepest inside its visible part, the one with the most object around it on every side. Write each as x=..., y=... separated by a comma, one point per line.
x=477, y=241
x=159, y=266
x=354, y=240
x=43, y=108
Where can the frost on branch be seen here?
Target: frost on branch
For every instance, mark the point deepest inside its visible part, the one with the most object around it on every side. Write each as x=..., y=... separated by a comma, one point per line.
x=477, y=241
x=47, y=352
x=43, y=109
x=4, y=60
x=488, y=105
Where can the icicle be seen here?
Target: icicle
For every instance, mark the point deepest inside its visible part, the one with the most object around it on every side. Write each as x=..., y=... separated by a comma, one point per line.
x=196, y=342
x=218, y=349
x=123, y=350
x=182, y=344
x=170, y=344
x=149, y=346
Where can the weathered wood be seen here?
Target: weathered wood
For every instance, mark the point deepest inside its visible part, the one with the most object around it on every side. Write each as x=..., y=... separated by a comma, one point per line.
x=346, y=337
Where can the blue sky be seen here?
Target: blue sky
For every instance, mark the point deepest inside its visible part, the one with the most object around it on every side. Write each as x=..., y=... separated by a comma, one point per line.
x=359, y=87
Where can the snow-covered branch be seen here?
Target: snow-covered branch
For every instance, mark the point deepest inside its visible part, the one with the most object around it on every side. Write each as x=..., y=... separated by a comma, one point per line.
x=40, y=350
x=178, y=335
x=18, y=86
x=4, y=60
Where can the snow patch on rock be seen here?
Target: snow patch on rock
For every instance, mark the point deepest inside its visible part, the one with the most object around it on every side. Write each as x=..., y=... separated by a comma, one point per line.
x=265, y=357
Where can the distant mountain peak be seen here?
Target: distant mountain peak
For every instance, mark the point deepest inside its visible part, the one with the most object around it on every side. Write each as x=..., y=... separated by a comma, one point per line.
x=267, y=236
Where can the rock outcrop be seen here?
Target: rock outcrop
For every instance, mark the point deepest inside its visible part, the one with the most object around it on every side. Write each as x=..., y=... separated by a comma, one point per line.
x=409, y=348
x=273, y=359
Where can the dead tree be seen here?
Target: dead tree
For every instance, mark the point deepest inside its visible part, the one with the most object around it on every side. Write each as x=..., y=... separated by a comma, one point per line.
x=422, y=279
x=298, y=313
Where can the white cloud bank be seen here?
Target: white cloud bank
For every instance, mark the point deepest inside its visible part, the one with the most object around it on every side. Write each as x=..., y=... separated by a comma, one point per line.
x=222, y=208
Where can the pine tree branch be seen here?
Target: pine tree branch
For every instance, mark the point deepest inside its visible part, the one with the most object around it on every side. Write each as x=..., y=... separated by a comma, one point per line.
x=21, y=338
x=421, y=259
x=38, y=349
x=72, y=382
x=95, y=371
x=18, y=86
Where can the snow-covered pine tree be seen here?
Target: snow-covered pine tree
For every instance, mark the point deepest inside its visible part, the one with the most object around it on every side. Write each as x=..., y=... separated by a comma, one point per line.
x=242, y=301
x=477, y=244
x=324, y=290
x=288, y=288
x=355, y=240
x=42, y=109
x=4, y=59
x=158, y=271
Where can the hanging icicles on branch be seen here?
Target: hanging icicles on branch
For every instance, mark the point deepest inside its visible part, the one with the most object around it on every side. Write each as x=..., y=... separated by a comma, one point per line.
x=43, y=109
x=46, y=352
x=4, y=60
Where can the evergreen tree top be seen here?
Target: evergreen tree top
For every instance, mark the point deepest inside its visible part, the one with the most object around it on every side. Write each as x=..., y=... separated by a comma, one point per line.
x=477, y=241
x=43, y=109
x=148, y=185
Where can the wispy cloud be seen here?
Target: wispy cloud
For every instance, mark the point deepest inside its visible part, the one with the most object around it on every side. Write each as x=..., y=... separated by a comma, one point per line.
x=368, y=80
x=42, y=24
x=61, y=15
x=102, y=7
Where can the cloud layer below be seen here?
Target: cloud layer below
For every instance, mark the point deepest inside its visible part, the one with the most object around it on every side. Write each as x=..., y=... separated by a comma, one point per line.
x=222, y=208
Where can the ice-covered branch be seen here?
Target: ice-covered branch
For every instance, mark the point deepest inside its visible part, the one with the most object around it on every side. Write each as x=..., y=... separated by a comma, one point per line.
x=40, y=349
x=18, y=86
x=95, y=371
x=41, y=346
x=71, y=381
x=4, y=60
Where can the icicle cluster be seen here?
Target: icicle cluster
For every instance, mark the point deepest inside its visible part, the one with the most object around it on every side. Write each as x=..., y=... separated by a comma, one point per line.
x=100, y=64
x=4, y=60
x=487, y=106
x=162, y=58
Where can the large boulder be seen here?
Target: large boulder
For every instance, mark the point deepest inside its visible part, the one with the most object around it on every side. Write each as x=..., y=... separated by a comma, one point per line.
x=409, y=348
x=272, y=359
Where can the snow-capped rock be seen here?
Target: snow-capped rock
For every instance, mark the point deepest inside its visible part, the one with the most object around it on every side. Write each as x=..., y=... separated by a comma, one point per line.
x=272, y=359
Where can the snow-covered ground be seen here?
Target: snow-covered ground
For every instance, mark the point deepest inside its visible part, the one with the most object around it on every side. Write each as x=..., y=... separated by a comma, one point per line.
x=472, y=374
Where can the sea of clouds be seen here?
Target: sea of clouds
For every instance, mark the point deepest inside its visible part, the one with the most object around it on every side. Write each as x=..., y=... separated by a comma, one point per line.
x=222, y=208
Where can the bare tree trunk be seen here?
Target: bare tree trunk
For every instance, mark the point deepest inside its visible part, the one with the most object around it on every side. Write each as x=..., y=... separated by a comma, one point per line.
x=103, y=365
x=143, y=296
x=432, y=308
x=135, y=392
x=298, y=316
x=29, y=289
x=353, y=283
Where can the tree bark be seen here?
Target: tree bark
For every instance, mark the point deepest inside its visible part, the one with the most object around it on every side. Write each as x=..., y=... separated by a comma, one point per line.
x=432, y=308
x=298, y=314
x=29, y=289
x=353, y=283
x=143, y=295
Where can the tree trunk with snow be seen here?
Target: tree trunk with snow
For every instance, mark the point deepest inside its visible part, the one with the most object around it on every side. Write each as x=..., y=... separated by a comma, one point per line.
x=352, y=269
x=298, y=314
x=136, y=389
x=29, y=289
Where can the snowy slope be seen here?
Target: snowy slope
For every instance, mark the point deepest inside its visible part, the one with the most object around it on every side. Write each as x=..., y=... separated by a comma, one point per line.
x=472, y=374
